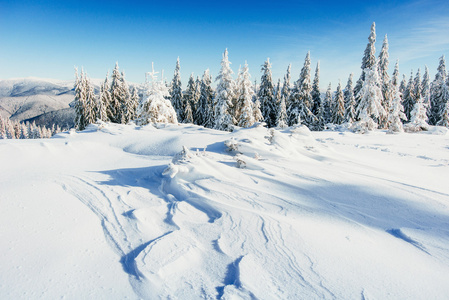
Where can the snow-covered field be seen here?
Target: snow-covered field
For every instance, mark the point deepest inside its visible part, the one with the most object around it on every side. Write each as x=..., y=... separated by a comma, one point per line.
x=126, y=212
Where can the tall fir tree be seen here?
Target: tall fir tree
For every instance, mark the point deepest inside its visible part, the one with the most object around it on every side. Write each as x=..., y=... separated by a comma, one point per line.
x=426, y=91
x=154, y=107
x=205, y=102
x=266, y=95
x=224, y=95
x=408, y=98
x=80, y=101
x=316, y=94
x=349, y=99
x=196, y=98
x=300, y=101
x=176, y=92
x=438, y=96
x=127, y=106
x=245, y=114
x=370, y=109
x=327, y=104
x=396, y=111
x=286, y=88
x=90, y=111
x=368, y=60
x=189, y=101
x=338, y=109
x=117, y=100
x=384, y=79
x=105, y=100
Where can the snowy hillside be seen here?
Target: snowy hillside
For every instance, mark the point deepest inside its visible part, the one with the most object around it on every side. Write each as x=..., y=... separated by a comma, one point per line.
x=183, y=212
x=25, y=98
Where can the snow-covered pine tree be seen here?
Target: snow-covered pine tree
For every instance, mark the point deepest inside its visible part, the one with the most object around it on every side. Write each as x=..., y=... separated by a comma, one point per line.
x=105, y=102
x=90, y=111
x=127, y=104
x=301, y=98
x=369, y=109
x=154, y=107
x=80, y=102
x=266, y=95
x=224, y=95
x=196, y=98
x=383, y=73
x=282, y=114
x=286, y=86
x=245, y=100
x=258, y=116
x=425, y=92
x=418, y=117
x=116, y=95
x=338, y=109
x=437, y=93
x=234, y=110
x=205, y=102
x=444, y=113
x=418, y=86
x=327, y=104
x=396, y=110
x=368, y=60
x=408, y=97
x=176, y=92
x=349, y=101
x=188, y=101
x=403, y=86
x=135, y=100
x=316, y=94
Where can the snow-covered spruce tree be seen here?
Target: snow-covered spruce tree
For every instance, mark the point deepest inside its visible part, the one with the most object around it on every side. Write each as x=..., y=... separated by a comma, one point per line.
x=117, y=100
x=418, y=117
x=266, y=95
x=176, y=92
x=425, y=91
x=437, y=93
x=349, y=101
x=327, y=104
x=127, y=104
x=383, y=73
x=316, y=94
x=301, y=98
x=188, y=101
x=368, y=60
x=282, y=114
x=90, y=111
x=196, y=99
x=224, y=95
x=369, y=109
x=80, y=101
x=286, y=85
x=234, y=110
x=418, y=86
x=258, y=116
x=154, y=107
x=338, y=109
x=403, y=86
x=408, y=97
x=105, y=102
x=205, y=102
x=396, y=110
x=444, y=120
x=246, y=94
x=135, y=100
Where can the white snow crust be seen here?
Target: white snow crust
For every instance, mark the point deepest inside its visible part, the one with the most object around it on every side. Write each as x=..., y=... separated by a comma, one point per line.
x=184, y=212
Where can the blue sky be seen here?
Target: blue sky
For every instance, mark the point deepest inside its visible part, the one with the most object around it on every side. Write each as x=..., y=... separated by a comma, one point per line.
x=48, y=38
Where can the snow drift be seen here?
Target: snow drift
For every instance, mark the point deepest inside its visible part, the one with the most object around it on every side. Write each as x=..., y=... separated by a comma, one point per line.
x=180, y=211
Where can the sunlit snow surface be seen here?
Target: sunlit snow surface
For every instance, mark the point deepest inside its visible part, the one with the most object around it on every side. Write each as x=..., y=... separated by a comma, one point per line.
x=119, y=212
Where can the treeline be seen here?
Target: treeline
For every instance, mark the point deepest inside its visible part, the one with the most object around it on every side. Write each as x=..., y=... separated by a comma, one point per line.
x=374, y=101
x=16, y=130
